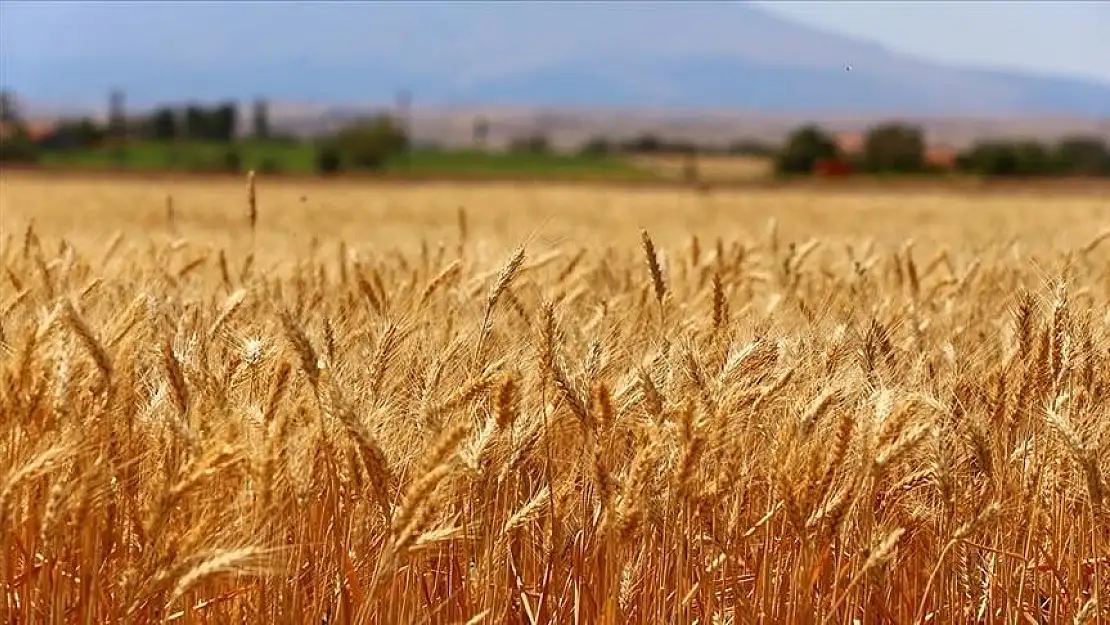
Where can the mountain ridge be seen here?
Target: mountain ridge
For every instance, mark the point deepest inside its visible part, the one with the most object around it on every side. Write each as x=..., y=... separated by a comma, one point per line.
x=674, y=56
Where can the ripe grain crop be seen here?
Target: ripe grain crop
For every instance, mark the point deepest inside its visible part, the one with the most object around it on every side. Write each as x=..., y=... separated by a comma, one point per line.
x=551, y=405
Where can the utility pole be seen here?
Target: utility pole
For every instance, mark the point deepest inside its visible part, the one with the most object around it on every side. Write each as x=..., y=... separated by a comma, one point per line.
x=404, y=112
x=117, y=125
x=117, y=116
x=261, y=119
x=479, y=133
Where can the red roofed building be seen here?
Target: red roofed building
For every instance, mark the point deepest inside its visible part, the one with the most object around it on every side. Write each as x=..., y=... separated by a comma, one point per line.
x=36, y=131
x=832, y=168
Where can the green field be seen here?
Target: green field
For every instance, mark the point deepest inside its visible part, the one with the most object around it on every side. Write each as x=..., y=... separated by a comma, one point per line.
x=150, y=156
x=299, y=158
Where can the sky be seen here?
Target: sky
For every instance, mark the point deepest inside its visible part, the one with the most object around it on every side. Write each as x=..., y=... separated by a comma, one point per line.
x=70, y=51
x=1060, y=36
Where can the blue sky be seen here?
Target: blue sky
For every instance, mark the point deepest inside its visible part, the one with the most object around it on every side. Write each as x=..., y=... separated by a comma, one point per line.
x=1060, y=36
x=1065, y=37
x=71, y=51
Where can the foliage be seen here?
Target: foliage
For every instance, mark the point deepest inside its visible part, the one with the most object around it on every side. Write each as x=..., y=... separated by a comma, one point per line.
x=649, y=143
x=217, y=123
x=479, y=132
x=117, y=115
x=597, y=146
x=379, y=142
x=805, y=147
x=531, y=144
x=1072, y=156
x=328, y=160
x=894, y=148
x=261, y=119
x=644, y=144
x=162, y=125
x=1083, y=156
x=368, y=145
x=994, y=158
x=16, y=146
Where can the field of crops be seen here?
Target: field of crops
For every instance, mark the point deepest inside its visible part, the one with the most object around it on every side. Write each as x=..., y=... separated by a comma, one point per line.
x=494, y=404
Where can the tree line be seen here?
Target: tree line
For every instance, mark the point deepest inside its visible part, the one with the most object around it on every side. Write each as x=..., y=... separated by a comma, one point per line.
x=898, y=148
x=218, y=122
x=370, y=143
x=364, y=144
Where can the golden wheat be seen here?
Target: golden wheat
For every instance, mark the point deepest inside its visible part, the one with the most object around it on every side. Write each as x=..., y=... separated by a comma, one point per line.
x=372, y=412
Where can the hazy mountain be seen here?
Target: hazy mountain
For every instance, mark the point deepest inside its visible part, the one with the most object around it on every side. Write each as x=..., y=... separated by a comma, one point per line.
x=679, y=55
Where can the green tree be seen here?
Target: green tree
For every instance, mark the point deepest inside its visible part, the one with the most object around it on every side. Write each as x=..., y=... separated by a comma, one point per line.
x=370, y=144
x=1033, y=158
x=217, y=123
x=197, y=122
x=16, y=146
x=597, y=146
x=804, y=148
x=328, y=160
x=224, y=122
x=261, y=120
x=1025, y=158
x=535, y=143
x=480, y=132
x=1083, y=156
x=894, y=148
x=162, y=124
x=78, y=133
x=990, y=158
x=645, y=144
x=117, y=114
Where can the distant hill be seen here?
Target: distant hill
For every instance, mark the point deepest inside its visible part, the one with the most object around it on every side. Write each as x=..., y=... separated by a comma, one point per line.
x=671, y=55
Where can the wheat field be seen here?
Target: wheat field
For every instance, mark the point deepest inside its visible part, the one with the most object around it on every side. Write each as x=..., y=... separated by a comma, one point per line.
x=333, y=403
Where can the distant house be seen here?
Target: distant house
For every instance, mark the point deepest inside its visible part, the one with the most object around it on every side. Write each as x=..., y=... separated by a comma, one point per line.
x=833, y=168
x=941, y=156
x=850, y=143
x=36, y=131
x=47, y=135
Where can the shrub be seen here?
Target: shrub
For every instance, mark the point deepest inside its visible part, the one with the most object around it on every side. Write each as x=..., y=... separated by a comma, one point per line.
x=369, y=145
x=597, y=146
x=805, y=147
x=531, y=144
x=328, y=160
x=990, y=158
x=1009, y=158
x=645, y=144
x=894, y=148
x=1083, y=156
x=18, y=148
